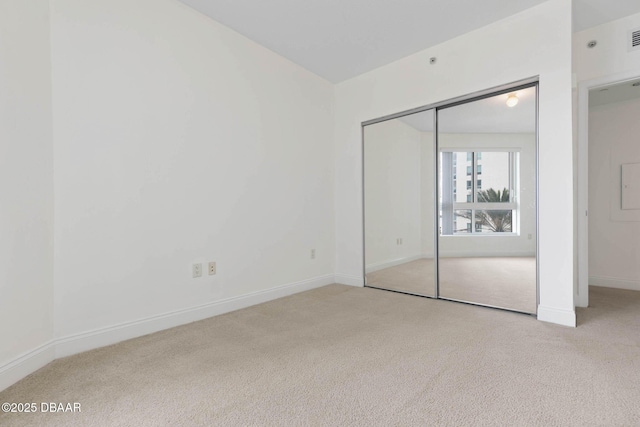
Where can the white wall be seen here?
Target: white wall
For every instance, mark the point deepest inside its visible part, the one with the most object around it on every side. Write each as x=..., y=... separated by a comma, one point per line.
x=536, y=42
x=610, y=57
x=177, y=140
x=26, y=189
x=614, y=234
x=392, y=193
x=512, y=245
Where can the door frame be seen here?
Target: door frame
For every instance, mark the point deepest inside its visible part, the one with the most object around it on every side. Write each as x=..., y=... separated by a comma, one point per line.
x=581, y=293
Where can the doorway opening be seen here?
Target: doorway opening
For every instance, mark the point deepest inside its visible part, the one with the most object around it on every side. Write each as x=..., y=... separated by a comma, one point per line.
x=608, y=185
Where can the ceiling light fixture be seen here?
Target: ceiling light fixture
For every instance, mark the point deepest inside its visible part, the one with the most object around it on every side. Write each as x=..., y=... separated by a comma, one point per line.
x=512, y=100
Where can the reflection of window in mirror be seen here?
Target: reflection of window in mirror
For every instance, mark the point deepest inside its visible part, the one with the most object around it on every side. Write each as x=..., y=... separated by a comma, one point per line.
x=486, y=198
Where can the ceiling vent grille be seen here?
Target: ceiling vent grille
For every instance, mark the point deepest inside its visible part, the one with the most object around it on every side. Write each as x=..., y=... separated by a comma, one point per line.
x=634, y=39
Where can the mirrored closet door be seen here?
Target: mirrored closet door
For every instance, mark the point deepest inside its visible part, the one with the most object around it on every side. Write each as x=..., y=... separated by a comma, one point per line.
x=450, y=200
x=400, y=201
x=487, y=198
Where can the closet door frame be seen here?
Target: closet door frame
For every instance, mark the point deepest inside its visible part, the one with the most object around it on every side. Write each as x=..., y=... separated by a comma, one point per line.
x=475, y=96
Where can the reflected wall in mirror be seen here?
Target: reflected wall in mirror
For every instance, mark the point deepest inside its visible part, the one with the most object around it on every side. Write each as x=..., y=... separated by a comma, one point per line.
x=399, y=204
x=487, y=202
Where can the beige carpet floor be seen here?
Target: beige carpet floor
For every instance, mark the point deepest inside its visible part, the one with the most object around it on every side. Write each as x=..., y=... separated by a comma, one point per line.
x=345, y=356
x=505, y=282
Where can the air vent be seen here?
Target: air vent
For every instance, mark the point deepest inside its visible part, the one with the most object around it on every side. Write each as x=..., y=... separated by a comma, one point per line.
x=634, y=39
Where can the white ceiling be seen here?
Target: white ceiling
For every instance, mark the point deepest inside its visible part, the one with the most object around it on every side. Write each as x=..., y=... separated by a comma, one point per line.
x=589, y=13
x=340, y=39
x=489, y=115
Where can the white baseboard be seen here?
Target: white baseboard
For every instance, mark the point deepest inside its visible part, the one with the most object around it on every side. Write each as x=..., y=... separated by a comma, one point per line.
x=29, y=362
x=26, y=364
x=386, y=264
x=77, y=343
x=345, y=279
x=614, y=282
x=557, y=315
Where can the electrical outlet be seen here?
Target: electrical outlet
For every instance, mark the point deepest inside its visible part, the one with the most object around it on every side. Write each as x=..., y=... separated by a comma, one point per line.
x=212, y=268
x=196, y=270
x=313, y=254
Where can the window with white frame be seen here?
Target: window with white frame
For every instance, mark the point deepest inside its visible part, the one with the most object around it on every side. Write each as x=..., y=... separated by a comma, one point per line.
x=479, y=192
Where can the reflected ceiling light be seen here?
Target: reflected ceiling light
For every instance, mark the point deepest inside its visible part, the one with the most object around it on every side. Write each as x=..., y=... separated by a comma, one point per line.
x=512, y=100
